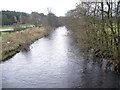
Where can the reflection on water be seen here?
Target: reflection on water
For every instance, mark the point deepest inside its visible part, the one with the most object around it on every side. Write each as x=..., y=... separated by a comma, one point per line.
x=55, y=62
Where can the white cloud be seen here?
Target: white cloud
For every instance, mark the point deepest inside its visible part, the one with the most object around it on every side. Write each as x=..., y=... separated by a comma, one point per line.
x=59, y=7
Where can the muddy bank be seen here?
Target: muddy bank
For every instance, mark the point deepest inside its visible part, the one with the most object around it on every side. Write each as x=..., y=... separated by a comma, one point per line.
x=13, y=42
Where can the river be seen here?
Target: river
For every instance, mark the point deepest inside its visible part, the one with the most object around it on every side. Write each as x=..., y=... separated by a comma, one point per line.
x=56, y=62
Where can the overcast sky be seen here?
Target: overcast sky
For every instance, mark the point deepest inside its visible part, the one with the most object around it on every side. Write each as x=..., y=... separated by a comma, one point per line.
x=59, y=7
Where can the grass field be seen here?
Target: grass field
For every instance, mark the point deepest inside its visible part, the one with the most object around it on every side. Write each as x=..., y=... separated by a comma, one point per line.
x=6, y=28
x=21, y=26
x=5, y=33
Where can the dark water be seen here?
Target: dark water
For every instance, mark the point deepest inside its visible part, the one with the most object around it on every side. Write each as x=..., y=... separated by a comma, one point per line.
x=56, y=62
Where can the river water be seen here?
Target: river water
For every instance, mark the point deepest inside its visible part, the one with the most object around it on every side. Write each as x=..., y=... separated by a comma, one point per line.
x=56, y=62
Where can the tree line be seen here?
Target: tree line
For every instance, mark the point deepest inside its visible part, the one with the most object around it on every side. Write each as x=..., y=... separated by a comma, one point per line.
x=96, y=25
x=13, y=17
x=8, y=17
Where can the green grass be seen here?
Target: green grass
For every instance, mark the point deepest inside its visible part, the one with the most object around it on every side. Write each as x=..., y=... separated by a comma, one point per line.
x=7, y=28
x=5, y=33
x=25, y=26
x=22, y=26
x=108, y=30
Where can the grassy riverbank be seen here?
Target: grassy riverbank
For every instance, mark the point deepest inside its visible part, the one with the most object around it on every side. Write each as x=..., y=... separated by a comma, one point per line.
x=13, y=42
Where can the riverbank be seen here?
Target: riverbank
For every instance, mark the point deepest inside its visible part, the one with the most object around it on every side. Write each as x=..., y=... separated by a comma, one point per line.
x=13, y=42
x=110, y=64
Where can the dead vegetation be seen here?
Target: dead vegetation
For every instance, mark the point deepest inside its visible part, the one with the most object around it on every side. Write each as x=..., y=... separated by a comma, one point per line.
x=15, y=41
x=96, y=25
